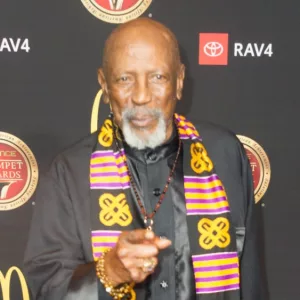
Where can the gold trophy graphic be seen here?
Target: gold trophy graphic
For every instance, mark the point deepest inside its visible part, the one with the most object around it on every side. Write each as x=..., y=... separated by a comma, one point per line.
x=4, y=187
x=116, y=4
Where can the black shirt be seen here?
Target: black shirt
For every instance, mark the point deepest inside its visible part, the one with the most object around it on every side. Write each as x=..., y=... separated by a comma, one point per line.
x=151, y=169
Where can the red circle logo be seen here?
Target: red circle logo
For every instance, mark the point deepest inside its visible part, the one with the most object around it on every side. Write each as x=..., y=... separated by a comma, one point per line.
x=260, y=166
x=116, y=11
x=18, y=172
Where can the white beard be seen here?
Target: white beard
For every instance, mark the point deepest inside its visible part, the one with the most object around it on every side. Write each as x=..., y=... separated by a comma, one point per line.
x=152, y=140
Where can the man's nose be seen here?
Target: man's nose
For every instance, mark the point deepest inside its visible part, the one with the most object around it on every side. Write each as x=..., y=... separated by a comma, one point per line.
x=141, y=94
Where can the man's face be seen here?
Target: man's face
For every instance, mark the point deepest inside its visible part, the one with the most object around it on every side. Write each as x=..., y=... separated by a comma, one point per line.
x=143, y=83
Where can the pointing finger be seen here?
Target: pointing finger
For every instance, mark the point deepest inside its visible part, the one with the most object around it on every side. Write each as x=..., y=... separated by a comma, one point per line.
x=138, y=236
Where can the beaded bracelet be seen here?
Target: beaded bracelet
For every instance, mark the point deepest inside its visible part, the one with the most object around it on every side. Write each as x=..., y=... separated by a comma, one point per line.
x=124, y=292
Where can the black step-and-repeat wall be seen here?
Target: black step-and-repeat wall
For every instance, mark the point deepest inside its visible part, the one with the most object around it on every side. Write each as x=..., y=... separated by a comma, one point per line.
x=242, y=70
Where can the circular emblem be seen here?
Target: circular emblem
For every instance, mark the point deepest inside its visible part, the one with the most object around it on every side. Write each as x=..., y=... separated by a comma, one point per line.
x=260, y=166
x=18, y=172
x=116, y=11
x=213, y=49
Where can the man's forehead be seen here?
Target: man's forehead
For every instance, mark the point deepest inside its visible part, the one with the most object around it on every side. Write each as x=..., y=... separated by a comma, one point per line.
x=139, y=50
x=151, y=43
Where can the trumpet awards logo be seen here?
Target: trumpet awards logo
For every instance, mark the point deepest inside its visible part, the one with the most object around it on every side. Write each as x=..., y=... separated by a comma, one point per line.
x=18, y=172
x=260, y=166
x=5, y=283
x=116, y=11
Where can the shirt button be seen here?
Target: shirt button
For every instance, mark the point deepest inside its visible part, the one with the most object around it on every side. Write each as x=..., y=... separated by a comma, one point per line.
x=164, y=285
x=156, y=192
x=152, y=156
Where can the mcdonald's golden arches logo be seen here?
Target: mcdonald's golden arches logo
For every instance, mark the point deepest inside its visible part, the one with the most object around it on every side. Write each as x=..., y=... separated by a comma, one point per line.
x=95, y=111
x=6, y=286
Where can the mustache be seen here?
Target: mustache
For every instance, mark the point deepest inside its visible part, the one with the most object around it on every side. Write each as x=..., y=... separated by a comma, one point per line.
x=131, y=113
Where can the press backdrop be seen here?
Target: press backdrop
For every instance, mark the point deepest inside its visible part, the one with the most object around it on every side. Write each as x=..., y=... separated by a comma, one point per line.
x=49, y=55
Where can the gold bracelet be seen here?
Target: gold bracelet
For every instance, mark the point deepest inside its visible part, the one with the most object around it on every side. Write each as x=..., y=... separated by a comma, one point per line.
x=123, y=292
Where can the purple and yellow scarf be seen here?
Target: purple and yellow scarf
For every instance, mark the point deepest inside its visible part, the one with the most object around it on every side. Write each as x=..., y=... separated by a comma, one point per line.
x=211, y=233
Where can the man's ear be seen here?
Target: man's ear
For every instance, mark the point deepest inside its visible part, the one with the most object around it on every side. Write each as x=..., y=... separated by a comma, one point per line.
x=103, y=84
x=180, y=80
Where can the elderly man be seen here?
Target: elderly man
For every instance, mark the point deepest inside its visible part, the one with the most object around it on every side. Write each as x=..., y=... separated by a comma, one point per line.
x=151, y=206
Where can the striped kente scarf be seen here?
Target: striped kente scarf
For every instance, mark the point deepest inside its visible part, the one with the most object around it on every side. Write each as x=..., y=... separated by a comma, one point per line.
x=211, y=234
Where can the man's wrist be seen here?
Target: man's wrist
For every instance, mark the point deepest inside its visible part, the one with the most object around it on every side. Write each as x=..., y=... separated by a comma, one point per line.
x=116, y=290
x=109, y=271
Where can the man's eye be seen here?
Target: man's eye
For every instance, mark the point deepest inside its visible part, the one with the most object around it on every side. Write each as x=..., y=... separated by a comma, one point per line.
x=158, y=78
x=124, y=79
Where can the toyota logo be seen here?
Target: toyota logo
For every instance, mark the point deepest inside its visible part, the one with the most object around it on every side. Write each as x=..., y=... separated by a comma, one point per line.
x=213, y=49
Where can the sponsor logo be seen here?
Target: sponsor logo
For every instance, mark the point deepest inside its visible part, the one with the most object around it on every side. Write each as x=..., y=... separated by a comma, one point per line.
x=95, y=112
x=5, y=284
x=116, y=11
x=260, y=166
x=213, y=49
x=14, y=45
x=253, y=50
x=18, y=172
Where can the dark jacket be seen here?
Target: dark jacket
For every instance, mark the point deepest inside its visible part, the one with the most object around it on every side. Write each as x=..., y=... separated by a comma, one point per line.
x=59, y=241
